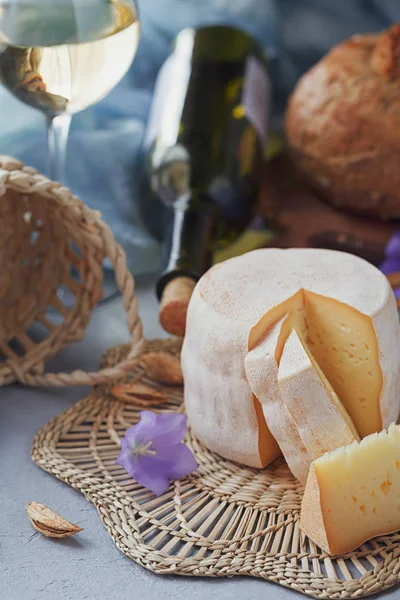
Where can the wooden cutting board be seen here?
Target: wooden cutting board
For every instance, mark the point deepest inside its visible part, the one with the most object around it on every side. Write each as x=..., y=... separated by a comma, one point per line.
x=302, y=219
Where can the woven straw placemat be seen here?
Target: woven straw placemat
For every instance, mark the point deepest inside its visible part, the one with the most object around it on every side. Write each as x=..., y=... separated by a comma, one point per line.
x=223, y=520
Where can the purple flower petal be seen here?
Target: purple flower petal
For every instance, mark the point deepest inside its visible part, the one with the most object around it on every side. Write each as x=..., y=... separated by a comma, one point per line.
x=153, y=453
x=170, y=428
x=393, y=246
x=397, y=292
x=163, y=429
x=149, y=474
x=127, y=460
x=390, y=265
x=126, y=449
x=182, y=463
x=141, y=433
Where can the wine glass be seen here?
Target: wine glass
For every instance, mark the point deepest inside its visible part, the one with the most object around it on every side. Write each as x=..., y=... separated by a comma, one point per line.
x=61, y=56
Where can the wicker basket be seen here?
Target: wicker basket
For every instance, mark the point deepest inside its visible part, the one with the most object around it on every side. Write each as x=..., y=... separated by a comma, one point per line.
x=52, y=246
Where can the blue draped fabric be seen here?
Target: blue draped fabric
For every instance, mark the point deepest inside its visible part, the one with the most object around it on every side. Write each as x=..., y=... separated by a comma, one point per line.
x=105, y=139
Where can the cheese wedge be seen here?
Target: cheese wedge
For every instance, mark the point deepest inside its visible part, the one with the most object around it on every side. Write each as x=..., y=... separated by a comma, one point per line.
x=322, y=422
x=343, y=342
x=353, y=493
x=261, y=366
x=348, y=308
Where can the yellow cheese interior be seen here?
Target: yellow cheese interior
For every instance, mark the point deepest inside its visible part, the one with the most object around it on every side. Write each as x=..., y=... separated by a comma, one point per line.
x=298, y=323
x=332, y=394
x=292, y=304
x=359, y=488
x=342, y=345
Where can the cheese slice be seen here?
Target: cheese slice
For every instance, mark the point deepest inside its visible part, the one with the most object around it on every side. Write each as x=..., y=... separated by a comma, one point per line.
x=322, y=422
x=261, y=366
x=345, y=302
x=353, y=493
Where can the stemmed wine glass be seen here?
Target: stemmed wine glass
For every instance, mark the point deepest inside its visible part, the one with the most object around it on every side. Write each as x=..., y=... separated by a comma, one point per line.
x=61, y=56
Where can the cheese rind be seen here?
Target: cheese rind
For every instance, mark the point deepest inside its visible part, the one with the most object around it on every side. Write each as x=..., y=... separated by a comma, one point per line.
x=353, y=493
x=322, y=421
x=219, y=402
x=261, y=368
x=233, y=307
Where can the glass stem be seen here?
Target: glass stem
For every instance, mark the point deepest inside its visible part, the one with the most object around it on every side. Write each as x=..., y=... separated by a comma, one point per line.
x=57, y=131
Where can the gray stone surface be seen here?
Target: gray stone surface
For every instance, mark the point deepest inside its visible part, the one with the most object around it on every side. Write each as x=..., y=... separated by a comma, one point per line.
x=88, y=566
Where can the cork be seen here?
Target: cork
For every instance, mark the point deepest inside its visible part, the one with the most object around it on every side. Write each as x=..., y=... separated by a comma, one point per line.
x=174, y=305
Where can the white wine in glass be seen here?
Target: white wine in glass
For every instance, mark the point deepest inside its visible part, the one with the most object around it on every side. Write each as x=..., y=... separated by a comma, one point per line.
x=61, y=56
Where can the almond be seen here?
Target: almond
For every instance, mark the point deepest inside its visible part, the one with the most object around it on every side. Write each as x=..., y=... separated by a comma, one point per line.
x=138, y=394
x=163, y=367
x=49, y=523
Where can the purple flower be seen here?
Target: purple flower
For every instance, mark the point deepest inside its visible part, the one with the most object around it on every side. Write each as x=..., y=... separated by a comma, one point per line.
x=153, y=453
x=391, y=264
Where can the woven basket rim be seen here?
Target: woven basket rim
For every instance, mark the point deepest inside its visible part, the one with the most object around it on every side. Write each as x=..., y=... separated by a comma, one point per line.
x=83, y=227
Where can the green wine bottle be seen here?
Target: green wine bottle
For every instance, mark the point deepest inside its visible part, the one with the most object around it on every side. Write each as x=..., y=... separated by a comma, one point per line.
x=204, y=147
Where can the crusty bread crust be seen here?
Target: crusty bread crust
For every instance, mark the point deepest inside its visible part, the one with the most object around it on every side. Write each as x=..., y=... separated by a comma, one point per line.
x=343, y=123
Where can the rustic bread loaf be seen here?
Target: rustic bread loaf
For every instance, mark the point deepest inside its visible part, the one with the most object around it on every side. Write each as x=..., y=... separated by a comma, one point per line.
x=343, y=125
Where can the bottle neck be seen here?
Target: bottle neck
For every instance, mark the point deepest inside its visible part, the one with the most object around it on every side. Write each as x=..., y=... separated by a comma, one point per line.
x=187, y=243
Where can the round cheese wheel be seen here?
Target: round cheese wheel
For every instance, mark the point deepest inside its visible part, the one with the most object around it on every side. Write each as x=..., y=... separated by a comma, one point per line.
x=351, y=329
